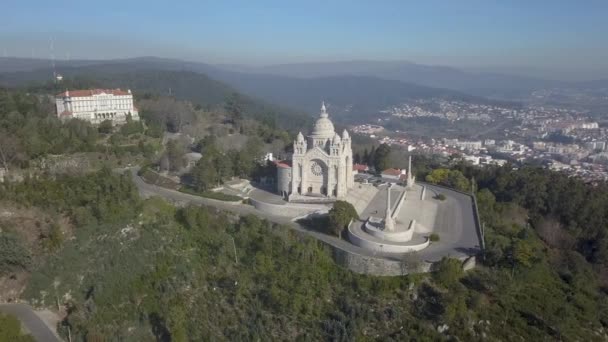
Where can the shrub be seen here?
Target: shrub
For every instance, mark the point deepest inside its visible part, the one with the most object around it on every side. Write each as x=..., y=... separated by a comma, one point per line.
x=434, y=237
x=448, y=272
x=13, y=254
x=10, y=329
x=440, y=197
x=105, y=127
x=340, y=215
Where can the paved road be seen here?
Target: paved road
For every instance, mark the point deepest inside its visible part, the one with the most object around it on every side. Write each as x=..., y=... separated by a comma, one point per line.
x=146, y=189
x=36, y=327
x=462, y=242
x=455, y=224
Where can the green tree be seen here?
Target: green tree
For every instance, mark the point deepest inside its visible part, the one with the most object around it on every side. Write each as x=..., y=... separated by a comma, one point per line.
x=448, y=272
x=225, y=167
x=340, y=216
x=234, y=109
x=174, y=155
x=437, y=176
x=14, y=255
x=105, y=127
x=207, y=145
x=382, y=158
x=204, y=175
x=523, y=253
x=458, y=181
x=486, y=202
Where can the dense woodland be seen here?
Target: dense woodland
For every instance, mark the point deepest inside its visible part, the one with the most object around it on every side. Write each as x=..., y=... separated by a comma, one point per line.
x=142, y=269
x=124, y=268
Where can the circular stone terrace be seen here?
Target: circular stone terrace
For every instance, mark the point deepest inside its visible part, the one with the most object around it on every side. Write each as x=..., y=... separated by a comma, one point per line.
x=420, y=215
x=452, y=220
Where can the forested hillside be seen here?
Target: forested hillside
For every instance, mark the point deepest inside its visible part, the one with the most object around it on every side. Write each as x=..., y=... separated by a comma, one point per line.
x=181, y=84
x=353, y=96
x=120, y=267
x=132, y=269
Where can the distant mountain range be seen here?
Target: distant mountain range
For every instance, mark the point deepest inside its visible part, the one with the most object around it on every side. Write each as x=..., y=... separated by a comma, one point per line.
x=350, y=96
x=488, y=84
x=355, y=89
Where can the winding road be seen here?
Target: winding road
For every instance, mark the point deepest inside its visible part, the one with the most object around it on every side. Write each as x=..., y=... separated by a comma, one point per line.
x=34, y=324
x=459, y=236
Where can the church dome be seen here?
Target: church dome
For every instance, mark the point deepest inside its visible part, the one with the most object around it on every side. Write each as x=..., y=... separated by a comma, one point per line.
x=323, y=128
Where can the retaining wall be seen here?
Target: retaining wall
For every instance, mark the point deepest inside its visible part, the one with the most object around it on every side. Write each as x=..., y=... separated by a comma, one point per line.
x=288, y=210
x=379, y=266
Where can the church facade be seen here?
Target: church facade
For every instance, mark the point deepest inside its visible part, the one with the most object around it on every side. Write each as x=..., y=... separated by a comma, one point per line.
x=321, y=165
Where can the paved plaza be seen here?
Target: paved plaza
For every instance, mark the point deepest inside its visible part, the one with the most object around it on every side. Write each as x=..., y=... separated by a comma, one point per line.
x=452, y=219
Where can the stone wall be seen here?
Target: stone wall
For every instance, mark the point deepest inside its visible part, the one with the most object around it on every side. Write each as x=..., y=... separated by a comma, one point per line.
x=283, y=180
x=378, y=266
x=287, y=210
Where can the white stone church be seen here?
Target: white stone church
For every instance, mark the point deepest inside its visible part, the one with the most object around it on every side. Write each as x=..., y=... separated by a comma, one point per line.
x=321, y=165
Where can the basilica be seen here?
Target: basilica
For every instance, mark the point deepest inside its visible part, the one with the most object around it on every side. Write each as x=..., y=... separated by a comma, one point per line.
x=321, y=165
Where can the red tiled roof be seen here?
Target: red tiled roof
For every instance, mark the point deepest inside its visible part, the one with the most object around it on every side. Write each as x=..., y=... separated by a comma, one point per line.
x=360, y=167
x=392, y=172
x=91, y=92
x=66, y=113
x=283, y=163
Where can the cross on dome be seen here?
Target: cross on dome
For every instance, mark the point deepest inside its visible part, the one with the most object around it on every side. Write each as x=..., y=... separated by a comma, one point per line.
x=323, y=110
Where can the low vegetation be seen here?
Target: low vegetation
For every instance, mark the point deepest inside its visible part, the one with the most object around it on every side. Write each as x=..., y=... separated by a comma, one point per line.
x=124, y=268
x=144, y=270
x=212, y=194
x=440, y=197
x=10, y=330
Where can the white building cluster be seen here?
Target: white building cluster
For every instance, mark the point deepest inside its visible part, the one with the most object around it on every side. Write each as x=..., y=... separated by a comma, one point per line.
x=96, y=105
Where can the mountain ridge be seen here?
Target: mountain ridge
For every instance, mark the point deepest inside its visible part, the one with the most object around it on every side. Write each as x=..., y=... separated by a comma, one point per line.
x=350, y=95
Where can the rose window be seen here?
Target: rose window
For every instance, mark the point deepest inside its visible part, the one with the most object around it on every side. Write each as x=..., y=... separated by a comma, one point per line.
x=316, y=169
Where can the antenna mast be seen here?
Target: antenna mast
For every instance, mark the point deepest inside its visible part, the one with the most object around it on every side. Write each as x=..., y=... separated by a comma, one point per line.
x=53, y=59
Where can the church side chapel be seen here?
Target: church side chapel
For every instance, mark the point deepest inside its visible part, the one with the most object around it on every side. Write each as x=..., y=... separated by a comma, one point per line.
x=321, y=165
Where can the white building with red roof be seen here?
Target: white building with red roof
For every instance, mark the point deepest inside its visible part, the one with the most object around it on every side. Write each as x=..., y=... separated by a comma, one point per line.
x=394, y=174
x=96, y=105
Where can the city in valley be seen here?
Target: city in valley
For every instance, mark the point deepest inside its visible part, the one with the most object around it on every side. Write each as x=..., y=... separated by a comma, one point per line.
x=561, y=139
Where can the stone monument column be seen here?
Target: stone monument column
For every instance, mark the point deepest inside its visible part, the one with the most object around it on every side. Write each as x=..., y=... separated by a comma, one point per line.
x=389, y=224
x=410, y=178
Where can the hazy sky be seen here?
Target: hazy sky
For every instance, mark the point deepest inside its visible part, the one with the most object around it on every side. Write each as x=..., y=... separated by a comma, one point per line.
x=544, y=34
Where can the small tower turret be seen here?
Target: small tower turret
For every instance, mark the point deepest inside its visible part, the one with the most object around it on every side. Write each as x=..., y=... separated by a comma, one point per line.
x=299, y=145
